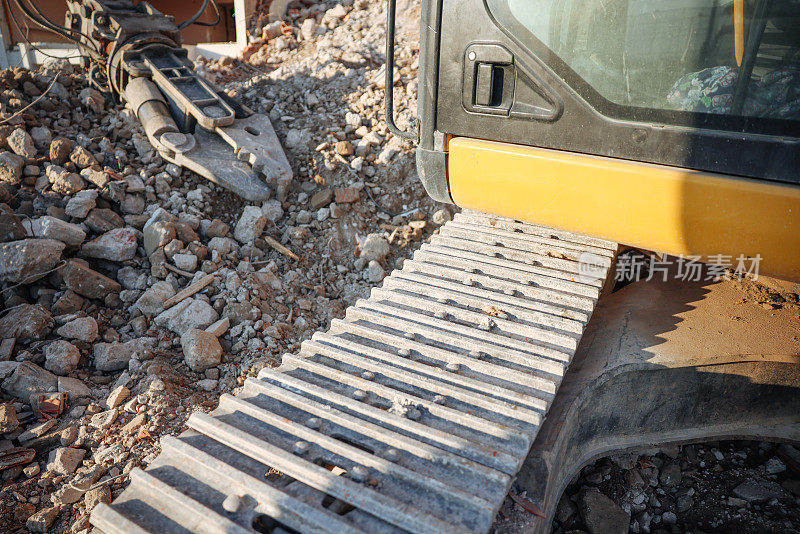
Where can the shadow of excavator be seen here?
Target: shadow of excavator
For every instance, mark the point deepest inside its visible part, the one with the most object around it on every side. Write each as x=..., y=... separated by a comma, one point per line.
x=669, y=363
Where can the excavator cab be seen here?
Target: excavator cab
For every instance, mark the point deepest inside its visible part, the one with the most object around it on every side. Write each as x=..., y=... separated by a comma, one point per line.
x=667, y=126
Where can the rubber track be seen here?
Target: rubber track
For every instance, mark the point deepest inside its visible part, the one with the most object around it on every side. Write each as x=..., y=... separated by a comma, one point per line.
x=412, y=414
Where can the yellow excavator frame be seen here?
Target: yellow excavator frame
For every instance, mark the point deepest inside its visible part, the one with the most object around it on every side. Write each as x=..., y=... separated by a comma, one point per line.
x=667, y=209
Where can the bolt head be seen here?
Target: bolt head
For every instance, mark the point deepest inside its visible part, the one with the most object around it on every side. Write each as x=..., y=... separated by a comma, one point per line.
x=359, y=473
x=301, y=447
x=453, y=367
x=314, y=423
x=392, y=455
x=232, y=503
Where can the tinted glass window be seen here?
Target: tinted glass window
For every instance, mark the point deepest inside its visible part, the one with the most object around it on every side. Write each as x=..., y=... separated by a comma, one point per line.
x=722, y=57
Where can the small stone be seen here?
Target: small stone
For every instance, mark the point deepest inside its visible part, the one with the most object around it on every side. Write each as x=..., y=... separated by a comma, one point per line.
x=308, y=28
x=11, y=166
x=684, y=503
x=670, y=475
x=11, y=228
x=357, y=164
x=625, y=461
x=602, y=515
x=88, y=283
x=117, y=397
x=250, y=225
x=61, y=357
x=346, y=195
x=101, y=220
x=220, y=327
x=116, y=245
x=82, y=329
x=111, y=356
x=135, y=184
x=759, y=491
x=774, y=466
x=344, y=148
x=40, y=521
x=441, y=216
x=272, y=210
x=217, y=228
x=353, y=119
x=92, y=99
x=201, y=349
x=36, y=431
x=132, y=204
x=96, y=176
x=190, y=313
x=152, y=301
x=321, y=198
x=32, y=470
x=68, y=233
x=237, y=312
x=28, y=260
x=42, y=137
x=375, y=247
x=186, y=262
x=82, y=157
x=158, y=234
x=74, y=388
x=69, y=302
x=185, y=232
x=736, y=502
x=59, y=150
x=28, y=322
x=102, y=421
x=208, y=384
x=565, y=509
x=137, y=421
x=8, y=418
x=634, y=479
x=22, y=143
x=94, y=497
x=69, y=435
x=65, y=460
x=81, y=204
x=374, y=272
x=64, y=182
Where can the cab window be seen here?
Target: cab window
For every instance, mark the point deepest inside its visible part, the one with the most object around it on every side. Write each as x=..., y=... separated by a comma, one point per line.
x=721, y=57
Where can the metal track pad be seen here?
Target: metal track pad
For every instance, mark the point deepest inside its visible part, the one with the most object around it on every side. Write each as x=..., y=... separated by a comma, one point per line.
x=411, y=414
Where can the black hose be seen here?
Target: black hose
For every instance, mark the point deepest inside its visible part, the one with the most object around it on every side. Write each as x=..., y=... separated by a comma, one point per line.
x=25, y=37
x=197, y=15
x=44, y=22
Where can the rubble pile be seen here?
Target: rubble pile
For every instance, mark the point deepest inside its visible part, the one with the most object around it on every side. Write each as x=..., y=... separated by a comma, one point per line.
x=135, y=292
x=726, y=486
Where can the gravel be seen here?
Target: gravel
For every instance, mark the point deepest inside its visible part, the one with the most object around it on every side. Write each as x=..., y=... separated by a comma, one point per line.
x=706, y=487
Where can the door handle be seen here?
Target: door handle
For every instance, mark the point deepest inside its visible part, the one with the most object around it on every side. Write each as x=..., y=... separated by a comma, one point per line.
x=488, y=79
x=496, y=83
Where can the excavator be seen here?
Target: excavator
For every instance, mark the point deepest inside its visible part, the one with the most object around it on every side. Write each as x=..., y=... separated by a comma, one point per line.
x=581, y=139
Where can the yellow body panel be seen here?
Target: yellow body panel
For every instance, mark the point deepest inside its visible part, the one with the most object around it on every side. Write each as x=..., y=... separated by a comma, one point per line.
x=654, y=207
